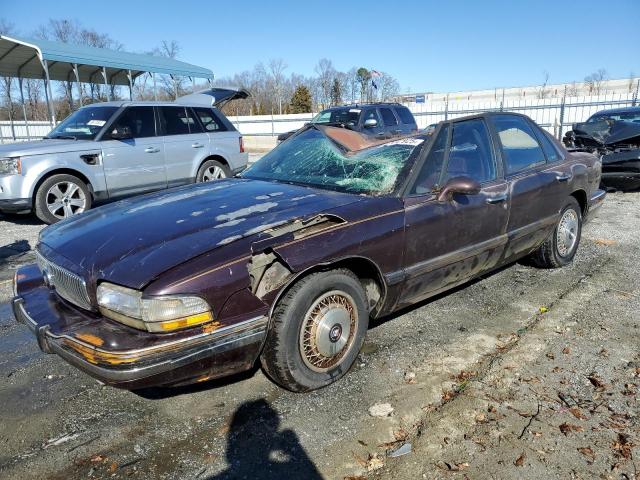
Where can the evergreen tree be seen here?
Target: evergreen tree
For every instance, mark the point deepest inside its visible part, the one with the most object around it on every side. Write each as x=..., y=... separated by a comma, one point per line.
x=301, y=100
x=336, y=93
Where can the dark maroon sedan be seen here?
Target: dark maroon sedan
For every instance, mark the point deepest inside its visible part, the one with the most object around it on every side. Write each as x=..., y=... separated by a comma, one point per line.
x=287, y=263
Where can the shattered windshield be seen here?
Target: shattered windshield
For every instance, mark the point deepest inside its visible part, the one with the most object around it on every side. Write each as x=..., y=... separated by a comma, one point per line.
x=83, y=124
x=311, y=158
x=633, y=117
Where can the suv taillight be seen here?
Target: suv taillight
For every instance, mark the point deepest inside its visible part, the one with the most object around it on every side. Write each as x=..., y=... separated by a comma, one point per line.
x=241, y=145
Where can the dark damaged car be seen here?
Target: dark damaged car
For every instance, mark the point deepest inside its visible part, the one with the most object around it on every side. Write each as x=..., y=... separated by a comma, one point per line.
x=287, y=264
x=614, y=135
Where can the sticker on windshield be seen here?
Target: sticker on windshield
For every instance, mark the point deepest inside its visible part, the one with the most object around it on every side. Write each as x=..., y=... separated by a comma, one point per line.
x=354, y=110
x=96, y=123
x=407, y=141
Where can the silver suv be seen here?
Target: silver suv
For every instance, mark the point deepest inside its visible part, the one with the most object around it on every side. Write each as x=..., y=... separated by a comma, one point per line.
x=112, y=150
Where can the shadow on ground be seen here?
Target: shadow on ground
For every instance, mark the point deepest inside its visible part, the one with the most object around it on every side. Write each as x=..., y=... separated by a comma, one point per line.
x=258, y=449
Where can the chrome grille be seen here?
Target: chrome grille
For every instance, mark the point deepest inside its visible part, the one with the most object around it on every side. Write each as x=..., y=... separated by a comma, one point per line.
x=68, y=285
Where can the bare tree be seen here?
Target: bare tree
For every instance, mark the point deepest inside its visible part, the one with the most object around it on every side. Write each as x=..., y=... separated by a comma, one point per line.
x=596, y=81
x=277, y=66
x=543, y=91
x=173, y=85
x=388, y=87
x=325, y=71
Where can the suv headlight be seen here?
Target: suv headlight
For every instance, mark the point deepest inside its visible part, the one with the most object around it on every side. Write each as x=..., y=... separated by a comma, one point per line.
x=10, y=166
x=164, y=313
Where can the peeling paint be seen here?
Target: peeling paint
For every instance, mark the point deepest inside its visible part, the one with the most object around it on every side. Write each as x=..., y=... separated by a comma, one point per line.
x=243, y=212
x=197, y=213
x=230, y=239
x=230, y=223
x=295, y=199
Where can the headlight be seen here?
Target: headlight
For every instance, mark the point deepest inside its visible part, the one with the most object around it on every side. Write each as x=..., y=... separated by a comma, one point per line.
x=154, y=314
x=10, y=166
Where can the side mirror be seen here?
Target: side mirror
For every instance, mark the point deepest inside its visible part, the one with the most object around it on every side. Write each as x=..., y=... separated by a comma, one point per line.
x=460, y=185
x=370, y=123
x=121, y=133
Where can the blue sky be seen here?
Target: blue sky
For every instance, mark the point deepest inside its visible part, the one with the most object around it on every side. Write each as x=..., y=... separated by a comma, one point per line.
x=427, y=45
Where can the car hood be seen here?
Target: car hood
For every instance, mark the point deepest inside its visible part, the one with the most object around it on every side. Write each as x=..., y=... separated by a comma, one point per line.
x=609, y=133
x=46, y=146
x=133, y=241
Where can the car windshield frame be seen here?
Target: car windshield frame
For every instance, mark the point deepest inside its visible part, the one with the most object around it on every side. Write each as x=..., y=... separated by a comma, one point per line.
x=85, y=123
x=336, y=111
x=628, y=117
x=378, y=170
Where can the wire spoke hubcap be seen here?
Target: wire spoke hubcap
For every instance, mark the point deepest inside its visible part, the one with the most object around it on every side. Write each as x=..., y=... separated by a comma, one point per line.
x=328, y=330
x=65, y=199
x=567, y=232
x=213, y=173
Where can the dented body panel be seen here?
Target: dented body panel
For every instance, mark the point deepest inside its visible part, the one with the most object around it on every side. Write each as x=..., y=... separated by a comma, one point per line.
x=241, y=243
x=614, y=136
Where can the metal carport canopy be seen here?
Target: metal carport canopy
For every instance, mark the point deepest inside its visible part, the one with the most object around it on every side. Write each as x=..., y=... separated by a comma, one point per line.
x=28, y=58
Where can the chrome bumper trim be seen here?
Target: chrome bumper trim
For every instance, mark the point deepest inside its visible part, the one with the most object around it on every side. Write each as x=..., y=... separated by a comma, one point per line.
x=186, y=351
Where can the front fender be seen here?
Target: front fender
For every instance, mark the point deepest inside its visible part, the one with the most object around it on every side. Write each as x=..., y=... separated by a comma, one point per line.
x=35, y=168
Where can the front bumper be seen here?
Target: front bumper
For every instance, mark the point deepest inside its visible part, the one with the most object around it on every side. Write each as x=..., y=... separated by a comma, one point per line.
x=621, y=169
x=89, y=342
x=14, y=194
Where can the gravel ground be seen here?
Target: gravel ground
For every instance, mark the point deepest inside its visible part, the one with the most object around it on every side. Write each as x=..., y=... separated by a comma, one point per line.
x=526, y=373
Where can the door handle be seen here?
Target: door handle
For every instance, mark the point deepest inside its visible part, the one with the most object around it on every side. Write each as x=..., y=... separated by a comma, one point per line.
x=151, y=150
x=497, y=199
x=563, y=178
x=197, y=145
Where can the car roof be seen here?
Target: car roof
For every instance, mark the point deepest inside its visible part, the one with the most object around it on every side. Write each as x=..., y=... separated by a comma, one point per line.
x=144, y=103
x=362, y=105
x=613, y=111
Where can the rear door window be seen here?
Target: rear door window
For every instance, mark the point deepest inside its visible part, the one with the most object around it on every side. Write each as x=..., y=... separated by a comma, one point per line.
x=174, y=120
x=194, y=124
x=550, y=150
x=388, y=117
x=209, y=120
x=521, y=150
x=405, y=116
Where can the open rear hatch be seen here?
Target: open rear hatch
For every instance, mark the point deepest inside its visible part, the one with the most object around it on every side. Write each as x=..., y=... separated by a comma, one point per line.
x=214, y=97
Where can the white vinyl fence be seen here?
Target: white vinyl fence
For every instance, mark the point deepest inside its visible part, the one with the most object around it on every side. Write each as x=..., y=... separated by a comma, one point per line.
x=554, y=114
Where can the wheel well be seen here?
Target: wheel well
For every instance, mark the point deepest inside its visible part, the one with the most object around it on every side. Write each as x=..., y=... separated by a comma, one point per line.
x=367, y=272
x=61, y=171
x=217, y=158
x=581, y=197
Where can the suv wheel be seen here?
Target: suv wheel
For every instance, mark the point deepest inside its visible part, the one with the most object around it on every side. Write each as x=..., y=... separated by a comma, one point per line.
x=317, y=330
x=61, y=196
x=212, y=170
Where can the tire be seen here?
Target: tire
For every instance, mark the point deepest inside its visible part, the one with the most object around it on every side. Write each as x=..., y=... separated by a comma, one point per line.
x=327, y=304
x=69, y=194
x=559, y=249
x=212, y=170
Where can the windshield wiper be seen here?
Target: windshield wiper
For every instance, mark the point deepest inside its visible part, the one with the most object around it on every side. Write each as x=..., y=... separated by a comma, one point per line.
x=62, y=137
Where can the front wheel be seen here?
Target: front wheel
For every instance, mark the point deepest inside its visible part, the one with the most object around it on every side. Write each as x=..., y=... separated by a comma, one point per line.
x=212, y=170
x=61, y=196
x=317, y=330
x=560, y=248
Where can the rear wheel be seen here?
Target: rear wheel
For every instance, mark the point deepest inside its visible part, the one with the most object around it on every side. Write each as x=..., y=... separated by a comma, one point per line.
x=212, y=170
x=560, y=248
x=317, y=331
x=61, y=196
